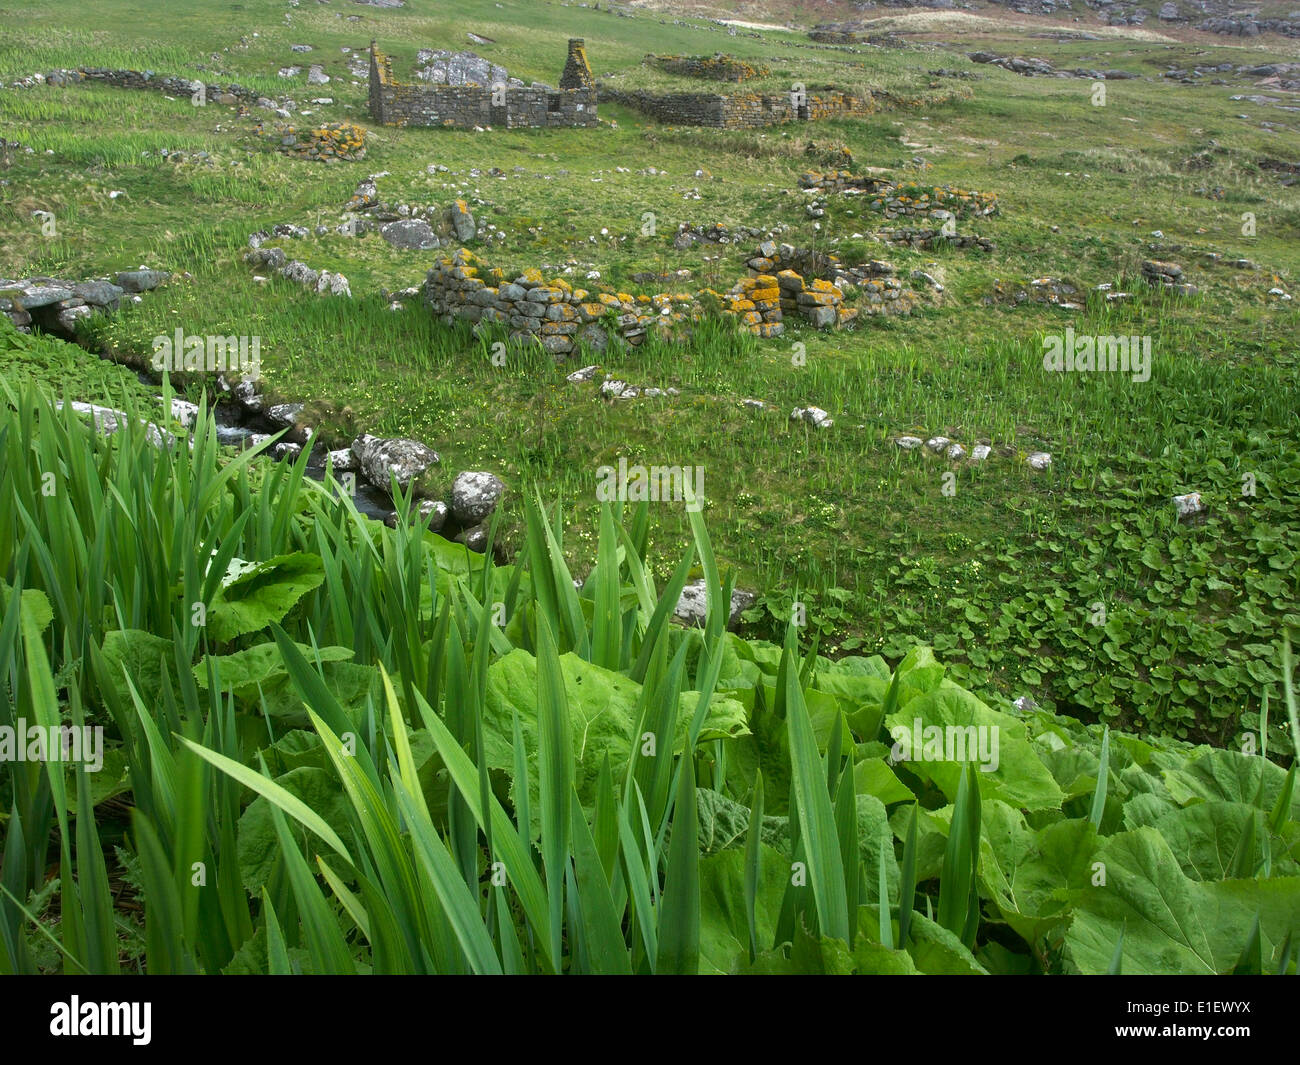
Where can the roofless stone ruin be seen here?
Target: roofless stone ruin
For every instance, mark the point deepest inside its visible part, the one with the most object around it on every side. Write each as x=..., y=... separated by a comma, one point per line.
x=397, y=103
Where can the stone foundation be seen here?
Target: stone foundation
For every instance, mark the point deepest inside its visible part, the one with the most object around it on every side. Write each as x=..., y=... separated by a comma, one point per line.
x=561, y=318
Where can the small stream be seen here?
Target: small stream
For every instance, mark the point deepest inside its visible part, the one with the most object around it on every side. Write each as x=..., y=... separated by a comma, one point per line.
x=236, y=427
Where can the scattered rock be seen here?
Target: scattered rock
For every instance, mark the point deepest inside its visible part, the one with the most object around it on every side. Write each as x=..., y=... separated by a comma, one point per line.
x=813, y=416
x=693, y=605
x=108, y=421
x=409, y=461
x=433, y=512
x=474, y=495
x=413, y=234
x=141, y=280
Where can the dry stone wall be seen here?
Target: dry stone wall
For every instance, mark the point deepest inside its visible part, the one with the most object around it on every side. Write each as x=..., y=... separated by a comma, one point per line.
x=748, y=110
x=718, y=67
x=561, y=318
x=230, y=94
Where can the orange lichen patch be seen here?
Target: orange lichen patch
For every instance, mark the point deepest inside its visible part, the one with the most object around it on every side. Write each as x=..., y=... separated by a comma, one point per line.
x=820, y=299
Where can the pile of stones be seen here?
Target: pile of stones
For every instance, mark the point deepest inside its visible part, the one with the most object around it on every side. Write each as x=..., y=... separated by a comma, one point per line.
x=1167, y=275
x=1053, y=290
x=894, y=199
x=405, y=226
x=955, y=452
x=689, y=235
x=328, y=143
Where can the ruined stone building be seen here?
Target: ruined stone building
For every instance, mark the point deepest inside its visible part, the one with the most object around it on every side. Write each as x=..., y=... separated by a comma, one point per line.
x=395, y=103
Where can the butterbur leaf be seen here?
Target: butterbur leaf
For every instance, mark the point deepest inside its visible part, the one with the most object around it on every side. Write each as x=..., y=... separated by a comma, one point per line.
x=265, y=592
x=1173, y=924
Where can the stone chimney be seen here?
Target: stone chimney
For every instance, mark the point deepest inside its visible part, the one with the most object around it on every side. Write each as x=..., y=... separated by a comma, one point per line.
x=577, y=74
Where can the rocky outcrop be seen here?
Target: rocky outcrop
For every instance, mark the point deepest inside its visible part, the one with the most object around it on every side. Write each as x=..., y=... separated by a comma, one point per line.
x=443, y=67
x=1030, y=66
x=1250, y=26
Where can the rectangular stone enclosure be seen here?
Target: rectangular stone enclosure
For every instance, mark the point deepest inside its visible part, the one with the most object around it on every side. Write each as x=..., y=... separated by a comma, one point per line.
x=395, y=103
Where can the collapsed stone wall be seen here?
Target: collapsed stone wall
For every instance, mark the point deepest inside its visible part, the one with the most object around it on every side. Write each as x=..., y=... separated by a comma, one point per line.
x=230, y=93
x=740, y=110
x=396, y=103
x=717, y=67
x=898, y=199
x=561, y=318
x=328, y=143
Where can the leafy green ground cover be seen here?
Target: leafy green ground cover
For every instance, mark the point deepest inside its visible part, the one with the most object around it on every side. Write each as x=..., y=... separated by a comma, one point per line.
x=341, y=756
